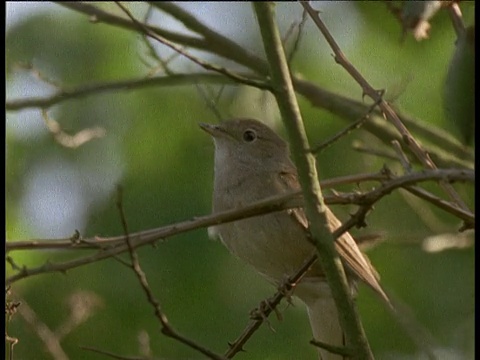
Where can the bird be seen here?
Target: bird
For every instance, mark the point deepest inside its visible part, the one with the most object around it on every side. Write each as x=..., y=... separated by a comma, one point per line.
x=251, y=163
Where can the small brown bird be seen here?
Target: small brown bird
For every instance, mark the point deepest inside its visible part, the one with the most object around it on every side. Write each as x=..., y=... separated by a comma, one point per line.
x=252, y=163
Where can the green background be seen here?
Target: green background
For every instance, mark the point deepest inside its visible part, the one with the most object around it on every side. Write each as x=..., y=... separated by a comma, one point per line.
x=153, y=147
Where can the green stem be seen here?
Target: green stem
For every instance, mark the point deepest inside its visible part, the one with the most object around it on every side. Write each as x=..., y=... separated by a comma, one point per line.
x=305, y=161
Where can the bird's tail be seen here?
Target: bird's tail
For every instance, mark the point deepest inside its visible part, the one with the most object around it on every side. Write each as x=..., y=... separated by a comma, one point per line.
x=323, y=315
x=325, y=324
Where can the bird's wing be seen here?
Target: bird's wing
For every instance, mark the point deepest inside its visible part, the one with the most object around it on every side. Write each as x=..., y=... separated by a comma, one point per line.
x=346, y=247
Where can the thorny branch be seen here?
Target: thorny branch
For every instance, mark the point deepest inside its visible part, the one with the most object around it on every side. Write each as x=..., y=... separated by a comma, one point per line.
x=167, y=329
x=206, y=65
x=450, y=153
x=388, y=180
x=269, y=305
x=108, y=247
x=390, y=114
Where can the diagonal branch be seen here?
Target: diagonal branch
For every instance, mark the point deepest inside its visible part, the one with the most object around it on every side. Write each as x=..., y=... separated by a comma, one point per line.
x=167, y=329
x=206, y=65
x=305, y=161
x=275, y=203
x=110, y=247
x=339, y=105
x=319, y=97
x=123, y=85
x=407, y=138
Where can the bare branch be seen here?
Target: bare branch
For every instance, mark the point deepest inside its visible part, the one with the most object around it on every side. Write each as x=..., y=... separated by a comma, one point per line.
x=167, y=329
x=382, y=153
x=213, y=41
x=109, y=244
x=123, y=85
x=115, y=245
x=402, y=157
x=206, y=65
x=355, y=125
x=450, y=153
x=315, y=207
x=348, y=109
x=112, y=355
x=457, y=20
x=407, y=138
x=298, y=38
x=47, y=336
x=71, y=141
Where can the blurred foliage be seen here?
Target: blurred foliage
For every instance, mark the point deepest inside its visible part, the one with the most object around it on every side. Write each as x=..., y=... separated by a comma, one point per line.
x=154, y=149
x=460, y=104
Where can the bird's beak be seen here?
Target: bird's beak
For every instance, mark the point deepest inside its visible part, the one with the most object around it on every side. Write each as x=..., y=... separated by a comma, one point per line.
x=213, y=130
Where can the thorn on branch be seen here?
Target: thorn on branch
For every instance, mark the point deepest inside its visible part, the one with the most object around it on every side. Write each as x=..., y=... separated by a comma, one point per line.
x=76, y=237
x=386, y=171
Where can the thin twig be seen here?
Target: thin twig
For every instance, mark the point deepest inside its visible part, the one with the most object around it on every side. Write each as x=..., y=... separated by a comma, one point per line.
x=415, y=204
x=402, y=157
x=215, y=43
x=11, y=308
x=282, y=202
x=206, y=65
x=162, y=64
x=210, y=40
x=353, y=126
x=383, y=153
x=167, y=329
x=333, y=349
x=298, y=38
x=390, y=114
x=469, y=220
x=315, y=207
x=210, y=104
x=38, y=74
x=450, y=153
x=112, y=355
x=71, y=141
x=47, y=336
x=123, y=85
x=457, y=20
x=97, y=15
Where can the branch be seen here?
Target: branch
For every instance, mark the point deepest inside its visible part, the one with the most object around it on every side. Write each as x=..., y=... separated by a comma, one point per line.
x=353, y=126
x=407, y=138
x=97, y=15
x=124, y=85
x=47, y=336
x=112, y=355
x=344, y=107
x=271, y=204
x=456, y=17
x=167, y=329
x=71, y=141
x=217, y=44
x=305, y=161
x=109, y=247
x=451, y=152
x=206, y=65
x=269, y=305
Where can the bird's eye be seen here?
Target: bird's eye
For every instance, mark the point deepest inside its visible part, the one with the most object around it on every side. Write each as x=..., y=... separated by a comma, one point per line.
x=249, y=135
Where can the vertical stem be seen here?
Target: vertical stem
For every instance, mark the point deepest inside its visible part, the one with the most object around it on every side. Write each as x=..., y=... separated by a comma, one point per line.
x=305, y=162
